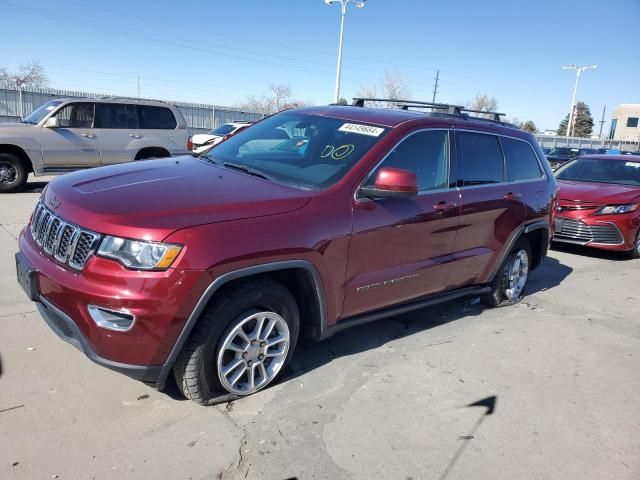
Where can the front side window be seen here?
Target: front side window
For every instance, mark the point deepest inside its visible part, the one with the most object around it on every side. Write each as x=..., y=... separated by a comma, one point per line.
x=115, y=115
x=482, y=160
x=76, y=115
x=424, y=153
x=601, y=171
x=632, y=122
x=522, y=162
x=158, y=118
x=304, y=151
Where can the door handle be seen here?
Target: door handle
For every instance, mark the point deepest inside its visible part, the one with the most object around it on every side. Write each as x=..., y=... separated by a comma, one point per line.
x=89, y=135
x=135, y=135
x=513, y=196
x=442, y=207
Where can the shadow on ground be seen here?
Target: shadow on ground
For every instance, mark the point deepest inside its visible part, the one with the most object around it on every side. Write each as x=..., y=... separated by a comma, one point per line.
x=373, y=335
x=589, y=252
x=34, y=187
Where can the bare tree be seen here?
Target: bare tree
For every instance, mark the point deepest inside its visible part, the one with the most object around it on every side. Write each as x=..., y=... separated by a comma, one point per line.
x=484, y=103
x=369, y=91
x=278, y=98
x=529, y=126
x=29, y=75
x=395, y=86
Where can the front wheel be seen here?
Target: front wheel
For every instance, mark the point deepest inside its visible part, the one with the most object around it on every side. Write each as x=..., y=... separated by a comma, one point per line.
x=241, y=344
x=510, y=282
x=13, y=174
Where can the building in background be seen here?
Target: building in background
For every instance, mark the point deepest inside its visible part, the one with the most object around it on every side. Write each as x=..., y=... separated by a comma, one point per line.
x=625, y=123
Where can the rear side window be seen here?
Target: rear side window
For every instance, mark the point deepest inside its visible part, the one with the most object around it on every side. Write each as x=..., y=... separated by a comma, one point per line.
x=482, y=160
x=115, y=115
x=424, y=153
x=522, y=163
x=160, y=118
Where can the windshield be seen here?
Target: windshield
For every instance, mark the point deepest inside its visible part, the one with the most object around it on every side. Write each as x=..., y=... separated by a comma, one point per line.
x=303, y=151
x=563, y=151
x=41, y=112
x=222, y=130
x=601, y=171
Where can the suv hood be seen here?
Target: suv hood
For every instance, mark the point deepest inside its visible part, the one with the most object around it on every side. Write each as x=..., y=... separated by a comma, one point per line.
x=151, y=199
x=597, y=193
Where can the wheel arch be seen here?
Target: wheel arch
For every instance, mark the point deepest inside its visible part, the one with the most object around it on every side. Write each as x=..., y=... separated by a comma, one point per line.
x=18, y=152
x=301, y=277
x=538, y=234
x=152, y=152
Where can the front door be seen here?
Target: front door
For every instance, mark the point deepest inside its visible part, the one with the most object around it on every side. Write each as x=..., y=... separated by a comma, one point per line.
x=74, y=140
x=120, y=137
x=400, y=247
x=492, y=208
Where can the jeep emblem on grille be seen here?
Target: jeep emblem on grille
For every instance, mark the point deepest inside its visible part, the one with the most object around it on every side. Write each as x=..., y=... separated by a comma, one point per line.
x=54, y=202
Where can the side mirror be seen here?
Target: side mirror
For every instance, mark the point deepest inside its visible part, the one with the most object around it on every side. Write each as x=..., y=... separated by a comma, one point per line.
x=392, y=183
x=52, y=122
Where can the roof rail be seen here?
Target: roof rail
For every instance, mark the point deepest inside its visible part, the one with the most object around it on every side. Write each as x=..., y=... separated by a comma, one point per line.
x=446, y=108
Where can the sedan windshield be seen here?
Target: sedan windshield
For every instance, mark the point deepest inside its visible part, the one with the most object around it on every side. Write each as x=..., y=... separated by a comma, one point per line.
x=303, y=151
x=41, y=112
x=601, y=171
x=222, y=130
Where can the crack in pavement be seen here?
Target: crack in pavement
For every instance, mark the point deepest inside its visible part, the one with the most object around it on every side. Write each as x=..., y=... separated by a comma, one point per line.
x=5, y=229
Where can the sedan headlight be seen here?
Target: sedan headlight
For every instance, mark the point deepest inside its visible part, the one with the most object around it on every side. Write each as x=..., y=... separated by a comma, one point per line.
x=139, y=254
x=617, y=209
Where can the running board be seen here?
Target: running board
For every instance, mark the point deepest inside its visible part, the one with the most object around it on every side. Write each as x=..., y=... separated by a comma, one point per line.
x=403, y=308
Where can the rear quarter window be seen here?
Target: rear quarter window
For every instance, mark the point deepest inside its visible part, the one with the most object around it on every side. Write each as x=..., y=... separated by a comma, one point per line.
x=482, y=160
x=159, y=118
x=521, y=160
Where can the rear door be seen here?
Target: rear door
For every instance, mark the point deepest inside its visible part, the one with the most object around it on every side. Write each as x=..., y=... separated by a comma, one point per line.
x=120, y=137
x=74, y=141
x=400, y=247
x=492, y=207
x=159, y=126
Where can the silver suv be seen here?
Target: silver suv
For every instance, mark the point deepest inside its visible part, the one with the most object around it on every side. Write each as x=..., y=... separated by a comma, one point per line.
x=69, y=134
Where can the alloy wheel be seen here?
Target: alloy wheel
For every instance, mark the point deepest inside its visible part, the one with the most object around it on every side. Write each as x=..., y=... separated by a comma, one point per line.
x=253, y=353
x=8, y=173
x=517, y=276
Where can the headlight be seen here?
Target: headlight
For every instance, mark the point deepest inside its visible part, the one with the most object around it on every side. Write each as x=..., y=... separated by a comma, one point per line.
x=616, y=209
x=139, y=254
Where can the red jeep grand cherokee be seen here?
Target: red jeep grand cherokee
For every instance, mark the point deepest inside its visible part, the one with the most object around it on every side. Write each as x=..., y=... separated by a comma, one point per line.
x=599, y=203
x=213, y=267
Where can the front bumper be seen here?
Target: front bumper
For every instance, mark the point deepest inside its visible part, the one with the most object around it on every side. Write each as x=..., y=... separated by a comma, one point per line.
x=614, y=232
x=160, y=301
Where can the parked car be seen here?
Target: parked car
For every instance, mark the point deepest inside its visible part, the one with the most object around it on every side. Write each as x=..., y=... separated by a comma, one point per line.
x=212, y=267
x=70, y=134
x=599, y=203
x=558, y=156
x=202, y=142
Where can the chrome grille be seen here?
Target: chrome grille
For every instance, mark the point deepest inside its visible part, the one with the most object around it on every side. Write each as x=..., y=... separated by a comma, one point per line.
x=575, y=231
x=67, y=243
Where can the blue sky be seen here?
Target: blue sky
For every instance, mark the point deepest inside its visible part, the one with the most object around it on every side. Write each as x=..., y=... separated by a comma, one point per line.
x=222, y=51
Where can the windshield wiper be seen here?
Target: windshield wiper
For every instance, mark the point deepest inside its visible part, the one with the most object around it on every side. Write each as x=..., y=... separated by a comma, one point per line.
x=246, y=169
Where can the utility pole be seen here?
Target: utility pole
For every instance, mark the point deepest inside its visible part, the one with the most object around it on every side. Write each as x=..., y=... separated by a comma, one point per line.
x=435, y=86
x=579, y=71
x=604, y=109
x=138, y=86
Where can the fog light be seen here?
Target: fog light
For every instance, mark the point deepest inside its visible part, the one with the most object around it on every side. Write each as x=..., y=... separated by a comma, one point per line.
x=118, y=320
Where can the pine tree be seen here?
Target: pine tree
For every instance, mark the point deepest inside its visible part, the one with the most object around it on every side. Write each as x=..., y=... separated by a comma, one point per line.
x=583, y=125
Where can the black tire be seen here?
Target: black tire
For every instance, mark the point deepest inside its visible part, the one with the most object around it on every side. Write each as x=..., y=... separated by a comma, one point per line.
x=13, y=173
x=195, y=370
x=634, y=253
x=497, y=296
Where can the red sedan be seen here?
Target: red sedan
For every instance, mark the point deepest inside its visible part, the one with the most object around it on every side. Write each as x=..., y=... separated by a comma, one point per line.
x=599, y=203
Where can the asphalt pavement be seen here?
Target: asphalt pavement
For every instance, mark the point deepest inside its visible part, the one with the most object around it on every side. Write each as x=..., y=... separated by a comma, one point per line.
x=547, y=389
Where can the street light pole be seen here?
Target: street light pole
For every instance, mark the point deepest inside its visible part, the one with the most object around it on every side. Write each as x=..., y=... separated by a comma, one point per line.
x=579, y=71
x=343, y=13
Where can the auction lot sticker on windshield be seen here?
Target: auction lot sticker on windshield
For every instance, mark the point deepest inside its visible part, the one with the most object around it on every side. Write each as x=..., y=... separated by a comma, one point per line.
x=632, y=164
x=361, y=129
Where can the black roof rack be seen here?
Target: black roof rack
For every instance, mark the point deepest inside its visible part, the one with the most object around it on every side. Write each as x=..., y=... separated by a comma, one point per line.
x=455, y=110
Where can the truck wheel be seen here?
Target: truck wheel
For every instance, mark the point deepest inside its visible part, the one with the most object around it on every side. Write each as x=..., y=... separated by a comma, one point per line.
x=241, y=344
x=13, y=174
x=510, y=282
x=635, y=252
